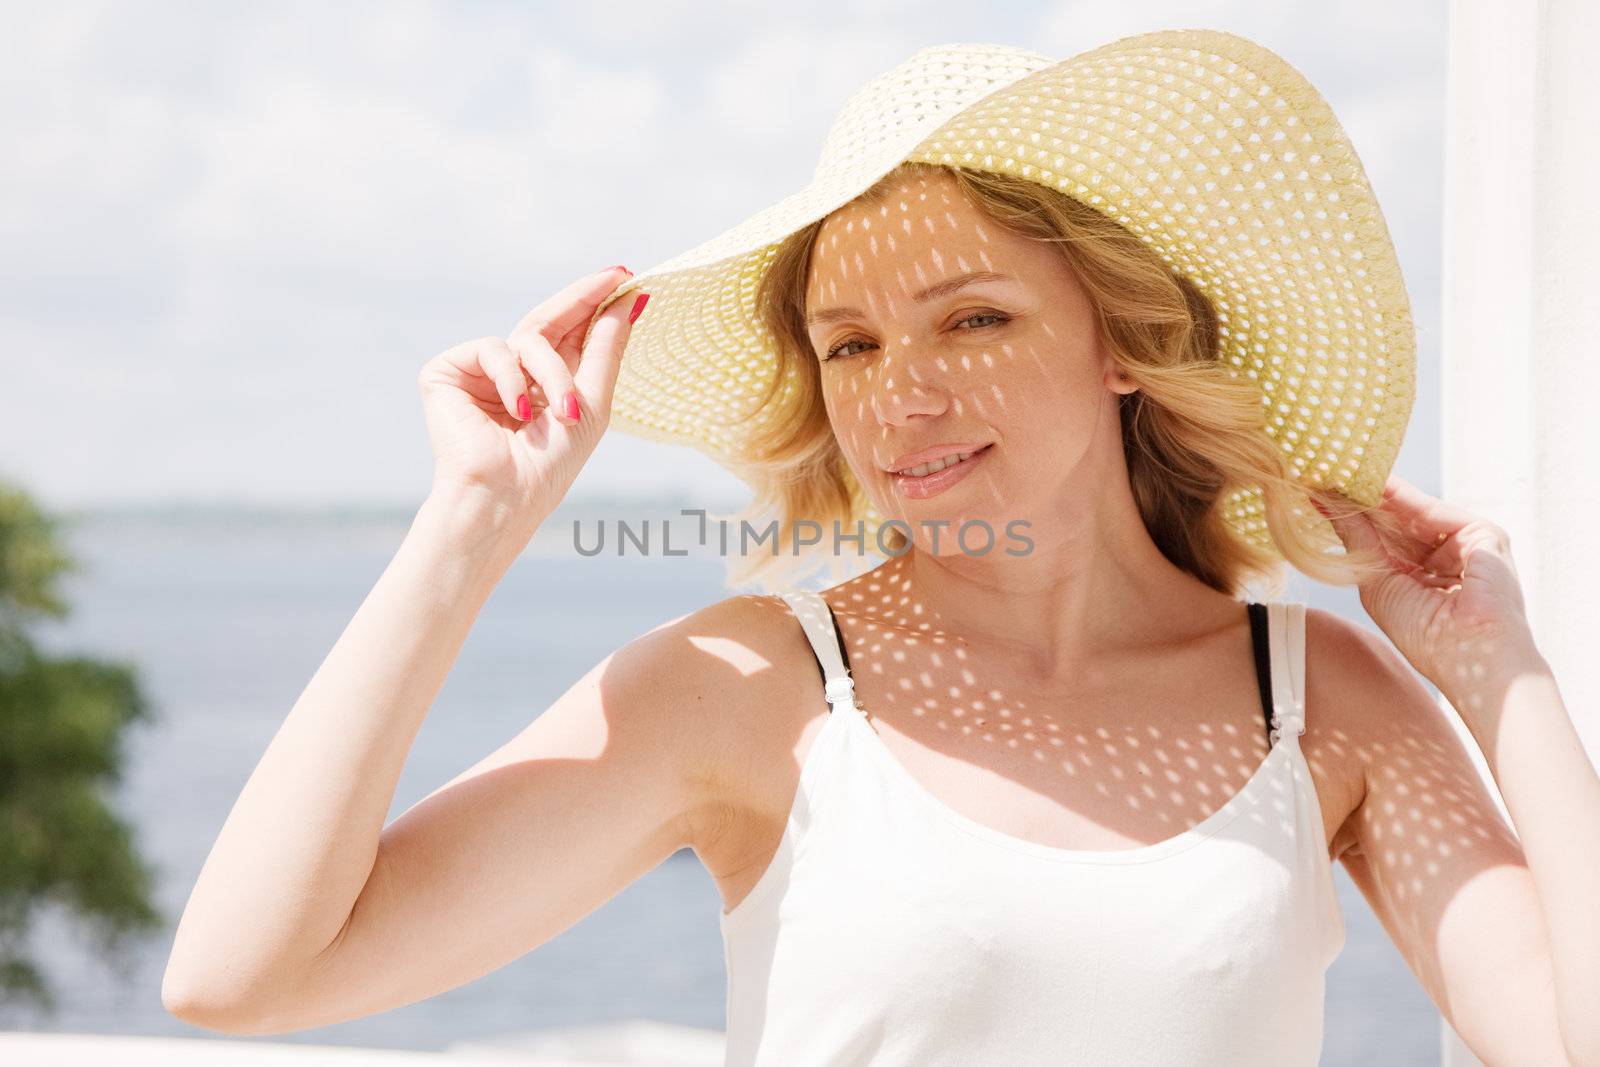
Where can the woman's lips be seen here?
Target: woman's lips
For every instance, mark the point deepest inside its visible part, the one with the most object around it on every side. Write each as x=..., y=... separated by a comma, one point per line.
x=933, y=484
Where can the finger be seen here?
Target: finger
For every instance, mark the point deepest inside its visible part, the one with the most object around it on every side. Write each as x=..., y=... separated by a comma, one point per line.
x=601, y=361
x=459, y=367
x=572, y=306
x=1357, y=533
x=1399, y=537
x=1411, y=525
x=510, y=383
x=570, y=347
x=1399, y=543
x=1369, y=532
x=1423, y=516
x=488, y=372
x=1445, y=557
x=549, y=373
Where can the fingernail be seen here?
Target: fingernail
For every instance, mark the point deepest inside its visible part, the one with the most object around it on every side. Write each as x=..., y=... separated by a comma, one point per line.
x=571, y=406
x=638, y=306
x=524, y=409
x=620, y=267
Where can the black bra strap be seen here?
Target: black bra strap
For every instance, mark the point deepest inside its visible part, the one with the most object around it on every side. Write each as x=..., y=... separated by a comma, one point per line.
x=1258, y=636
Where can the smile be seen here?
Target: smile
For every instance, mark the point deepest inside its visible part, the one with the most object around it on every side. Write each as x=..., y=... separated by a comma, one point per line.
x=930, y=479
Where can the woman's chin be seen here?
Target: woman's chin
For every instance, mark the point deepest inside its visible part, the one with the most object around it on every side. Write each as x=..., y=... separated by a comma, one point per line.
x=969, y=532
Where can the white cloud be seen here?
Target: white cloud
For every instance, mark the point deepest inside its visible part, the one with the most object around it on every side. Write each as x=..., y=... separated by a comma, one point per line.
x=233, y=233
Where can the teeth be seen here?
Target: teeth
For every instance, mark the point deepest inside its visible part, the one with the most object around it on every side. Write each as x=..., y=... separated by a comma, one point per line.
x=936, y=465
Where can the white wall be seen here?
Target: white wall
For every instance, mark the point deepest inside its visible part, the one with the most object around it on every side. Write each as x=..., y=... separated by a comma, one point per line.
x=1519, y=304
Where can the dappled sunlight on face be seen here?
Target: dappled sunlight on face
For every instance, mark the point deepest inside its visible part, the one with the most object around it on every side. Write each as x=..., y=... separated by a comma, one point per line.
x=911, y=360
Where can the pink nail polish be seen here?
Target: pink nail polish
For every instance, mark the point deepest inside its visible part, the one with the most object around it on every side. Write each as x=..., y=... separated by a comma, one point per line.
x=572, y=406
x=524, y=409
x=638, y=306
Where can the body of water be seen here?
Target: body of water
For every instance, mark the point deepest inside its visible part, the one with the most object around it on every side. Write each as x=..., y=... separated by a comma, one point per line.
x=227, y=616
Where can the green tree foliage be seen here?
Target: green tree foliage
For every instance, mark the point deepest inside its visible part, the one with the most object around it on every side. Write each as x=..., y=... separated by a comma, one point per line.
x=62, y=721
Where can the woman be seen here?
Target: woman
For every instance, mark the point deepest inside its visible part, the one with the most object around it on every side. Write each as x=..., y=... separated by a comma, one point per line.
x=1069, y=803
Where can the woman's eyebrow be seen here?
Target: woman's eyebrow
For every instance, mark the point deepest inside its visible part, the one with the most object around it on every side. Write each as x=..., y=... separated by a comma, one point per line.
x=932, y=292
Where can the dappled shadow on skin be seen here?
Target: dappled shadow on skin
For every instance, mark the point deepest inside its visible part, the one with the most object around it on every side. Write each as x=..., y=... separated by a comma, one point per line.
x=1431, y=838
x=934, y=328
x=1137, y=747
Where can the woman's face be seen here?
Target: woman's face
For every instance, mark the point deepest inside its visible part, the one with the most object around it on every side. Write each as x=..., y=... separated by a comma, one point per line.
x=912, y=360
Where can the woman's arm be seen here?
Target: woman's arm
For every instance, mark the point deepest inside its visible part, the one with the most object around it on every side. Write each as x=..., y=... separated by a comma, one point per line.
x=311, y=912
x=1502, y=928
x=299, y=844
x=1499, y=931
x=1515, y=712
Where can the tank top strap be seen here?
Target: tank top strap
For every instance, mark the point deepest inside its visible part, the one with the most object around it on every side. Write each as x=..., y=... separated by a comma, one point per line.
x=1287, y=622
x=816, y=618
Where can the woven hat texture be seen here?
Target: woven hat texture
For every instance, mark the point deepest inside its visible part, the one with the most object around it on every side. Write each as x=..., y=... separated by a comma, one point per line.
x=1210, y=147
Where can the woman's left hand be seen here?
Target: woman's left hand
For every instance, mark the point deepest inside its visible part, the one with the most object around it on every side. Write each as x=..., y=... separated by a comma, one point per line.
x=1451, y=603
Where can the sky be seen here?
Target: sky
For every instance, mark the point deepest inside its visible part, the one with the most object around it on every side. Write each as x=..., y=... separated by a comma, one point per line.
x=231, y=234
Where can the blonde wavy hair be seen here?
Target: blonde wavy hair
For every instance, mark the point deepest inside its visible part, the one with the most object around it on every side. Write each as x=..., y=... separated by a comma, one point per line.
x=1192, y=433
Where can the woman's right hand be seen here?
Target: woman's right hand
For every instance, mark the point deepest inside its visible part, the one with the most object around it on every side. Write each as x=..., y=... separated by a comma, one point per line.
x=498, y=414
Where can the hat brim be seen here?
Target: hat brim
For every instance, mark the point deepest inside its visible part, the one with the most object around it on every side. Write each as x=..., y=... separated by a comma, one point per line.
x=1216, y=152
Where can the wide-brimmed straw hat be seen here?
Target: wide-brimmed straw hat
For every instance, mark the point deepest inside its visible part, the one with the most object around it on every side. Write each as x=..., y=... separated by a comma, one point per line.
x=1210, y=147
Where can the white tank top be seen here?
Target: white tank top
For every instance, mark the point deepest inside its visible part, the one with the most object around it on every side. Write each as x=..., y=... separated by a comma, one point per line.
x=890, y=929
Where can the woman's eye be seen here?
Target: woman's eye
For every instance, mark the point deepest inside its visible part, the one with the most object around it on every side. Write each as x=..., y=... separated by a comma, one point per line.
x=834, y=351
x=986, y=315
x=978, y=315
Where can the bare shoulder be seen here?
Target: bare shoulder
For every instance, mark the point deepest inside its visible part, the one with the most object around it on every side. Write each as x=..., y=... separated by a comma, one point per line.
x=738, y=667
x=1362, y=697
x=1361, y=675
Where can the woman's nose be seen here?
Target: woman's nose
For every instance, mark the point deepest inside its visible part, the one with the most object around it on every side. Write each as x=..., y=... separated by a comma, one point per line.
x=906, y=388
